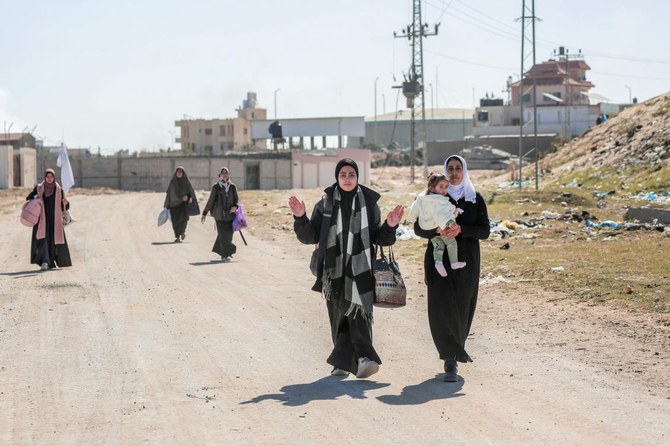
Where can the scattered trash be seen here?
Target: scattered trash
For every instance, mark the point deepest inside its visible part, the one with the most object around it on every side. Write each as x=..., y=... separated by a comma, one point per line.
x=604, y=194
x=505, y=246
x=550, y=215
x=490, y=279
x=403, y=233
x=512, y=226
x=558, y=269
x=609, y=224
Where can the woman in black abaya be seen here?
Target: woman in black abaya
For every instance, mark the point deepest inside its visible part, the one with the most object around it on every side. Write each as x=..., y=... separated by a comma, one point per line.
x=452, y=299
x=48, y=247
x=179, y=192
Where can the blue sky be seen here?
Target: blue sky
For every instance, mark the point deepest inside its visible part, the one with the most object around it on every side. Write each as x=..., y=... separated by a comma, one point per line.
x=117, y=74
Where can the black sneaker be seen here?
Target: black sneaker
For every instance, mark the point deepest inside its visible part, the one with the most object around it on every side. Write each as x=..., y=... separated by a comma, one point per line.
x=450, y=370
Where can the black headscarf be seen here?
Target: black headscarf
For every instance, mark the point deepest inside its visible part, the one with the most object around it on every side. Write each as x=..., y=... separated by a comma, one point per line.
x=347, y=198
x=177, y=188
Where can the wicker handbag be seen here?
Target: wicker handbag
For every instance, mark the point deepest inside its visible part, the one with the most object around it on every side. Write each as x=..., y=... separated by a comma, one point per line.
x=390, y=290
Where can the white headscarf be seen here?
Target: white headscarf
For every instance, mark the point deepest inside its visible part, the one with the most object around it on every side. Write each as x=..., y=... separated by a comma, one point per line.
x=465, y=189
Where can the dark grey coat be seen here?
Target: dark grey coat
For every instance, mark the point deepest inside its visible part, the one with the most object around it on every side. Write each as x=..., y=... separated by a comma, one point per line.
x=220, y=202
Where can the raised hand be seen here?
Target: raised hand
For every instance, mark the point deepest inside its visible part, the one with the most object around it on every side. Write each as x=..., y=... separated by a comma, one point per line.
x=297, y=206
x=395, y=216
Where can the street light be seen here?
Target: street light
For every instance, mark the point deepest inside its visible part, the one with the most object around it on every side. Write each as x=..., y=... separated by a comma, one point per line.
x=630, y=96
x=375, y=133
x=276, y=102
x=383, y=103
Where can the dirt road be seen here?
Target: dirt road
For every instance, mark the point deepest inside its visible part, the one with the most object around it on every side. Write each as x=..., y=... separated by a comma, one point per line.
x=147, y=341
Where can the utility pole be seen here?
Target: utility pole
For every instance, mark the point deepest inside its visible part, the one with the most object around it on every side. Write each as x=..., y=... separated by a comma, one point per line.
x=523, y=19
x=413, y=87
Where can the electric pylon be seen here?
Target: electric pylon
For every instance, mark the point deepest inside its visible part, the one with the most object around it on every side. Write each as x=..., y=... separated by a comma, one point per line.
x=413, y=85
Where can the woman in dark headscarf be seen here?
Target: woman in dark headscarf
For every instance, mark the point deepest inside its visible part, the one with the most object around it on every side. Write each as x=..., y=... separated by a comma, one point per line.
x=222, y=204
x=347, y=225
x=452, y=299
x=48, y=247
x=179, y=192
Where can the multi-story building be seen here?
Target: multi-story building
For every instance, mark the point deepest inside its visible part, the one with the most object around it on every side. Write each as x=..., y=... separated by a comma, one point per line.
x=216, y=136
x=562, y=96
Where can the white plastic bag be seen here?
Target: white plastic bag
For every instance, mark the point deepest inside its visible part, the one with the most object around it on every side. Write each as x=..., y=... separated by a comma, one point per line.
x=163, y=216
x=68, y=218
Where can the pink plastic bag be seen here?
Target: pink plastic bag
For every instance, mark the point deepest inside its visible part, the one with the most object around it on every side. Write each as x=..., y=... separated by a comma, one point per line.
x=240, y=220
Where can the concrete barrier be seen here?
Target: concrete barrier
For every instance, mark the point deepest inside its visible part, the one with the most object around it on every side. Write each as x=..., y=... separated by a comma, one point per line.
x=648, y=215
x=6, y=167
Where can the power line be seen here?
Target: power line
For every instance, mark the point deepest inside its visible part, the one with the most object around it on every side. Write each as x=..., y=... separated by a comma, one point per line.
x=470, y=62
x=513, y=34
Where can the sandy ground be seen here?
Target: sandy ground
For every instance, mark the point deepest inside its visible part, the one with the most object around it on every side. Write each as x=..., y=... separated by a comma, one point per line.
x=147, y=341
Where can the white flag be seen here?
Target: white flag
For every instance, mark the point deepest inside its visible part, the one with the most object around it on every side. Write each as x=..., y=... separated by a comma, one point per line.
x=66, y=176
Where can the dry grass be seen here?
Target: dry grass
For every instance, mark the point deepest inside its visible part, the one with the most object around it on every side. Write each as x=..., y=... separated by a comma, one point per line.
x=594, y=264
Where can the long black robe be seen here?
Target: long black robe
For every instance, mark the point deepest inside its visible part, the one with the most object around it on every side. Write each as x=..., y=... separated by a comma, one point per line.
x=220, y=204
x=352, y=334
x=452, y=299
x=177, y=188
x=45, y=250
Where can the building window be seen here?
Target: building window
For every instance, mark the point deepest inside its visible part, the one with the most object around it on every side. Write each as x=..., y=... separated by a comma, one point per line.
x=222, y=130
x=208, y=131
x=253, y=115
x=526, y=97
x=245, y=130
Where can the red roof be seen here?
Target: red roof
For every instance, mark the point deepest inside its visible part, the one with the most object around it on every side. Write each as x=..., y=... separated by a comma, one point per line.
x=11, y=136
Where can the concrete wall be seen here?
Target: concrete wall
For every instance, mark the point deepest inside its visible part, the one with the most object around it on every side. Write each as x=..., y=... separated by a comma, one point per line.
x=317, y=169
x=400, y=133
x=438, y=151
x=154, y=173
x=6, y=167
x=28, y=163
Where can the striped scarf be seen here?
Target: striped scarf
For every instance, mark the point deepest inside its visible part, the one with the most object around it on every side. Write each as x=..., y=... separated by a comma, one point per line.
x=353, y=260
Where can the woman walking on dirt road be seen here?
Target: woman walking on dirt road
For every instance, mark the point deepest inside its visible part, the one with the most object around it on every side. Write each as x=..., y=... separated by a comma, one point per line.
x=222, y=204
x=48, y=247
x=452, y=299
x=346, y=224
x=178, y=194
